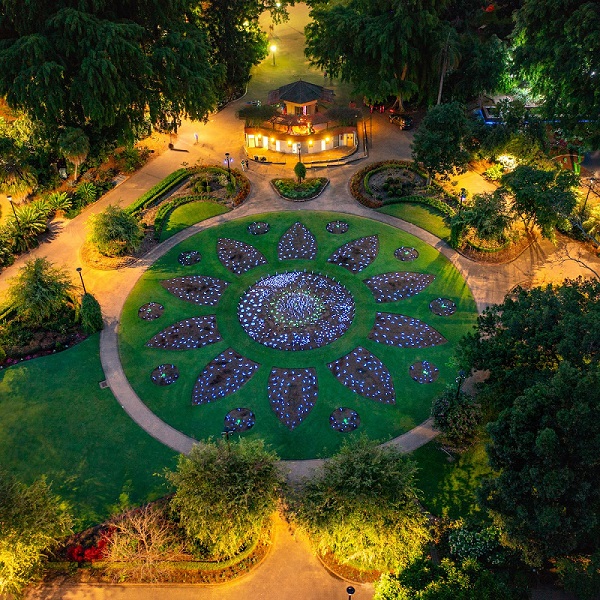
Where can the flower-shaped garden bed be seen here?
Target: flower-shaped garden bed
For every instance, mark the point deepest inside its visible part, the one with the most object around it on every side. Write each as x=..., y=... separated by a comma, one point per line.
x=293, y=324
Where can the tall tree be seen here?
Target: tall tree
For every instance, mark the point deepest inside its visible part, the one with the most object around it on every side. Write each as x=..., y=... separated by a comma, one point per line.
x=224, y=492
x=440, y=142
x=32, y=520
x=102, y=65
x=363, y=508
x=540, y=197
x=558, y=52
x=382, y=48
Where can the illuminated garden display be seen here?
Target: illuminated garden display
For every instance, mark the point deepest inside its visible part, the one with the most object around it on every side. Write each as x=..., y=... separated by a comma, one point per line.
x=306, y=320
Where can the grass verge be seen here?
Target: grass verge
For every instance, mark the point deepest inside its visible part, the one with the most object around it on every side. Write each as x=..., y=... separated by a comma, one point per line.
x=423, y=216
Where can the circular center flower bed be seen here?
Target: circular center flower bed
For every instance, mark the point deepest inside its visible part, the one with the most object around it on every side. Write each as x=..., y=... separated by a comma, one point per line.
x=296, y=311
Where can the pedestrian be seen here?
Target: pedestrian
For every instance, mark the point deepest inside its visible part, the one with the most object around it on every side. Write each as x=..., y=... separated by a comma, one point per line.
x=196, y=138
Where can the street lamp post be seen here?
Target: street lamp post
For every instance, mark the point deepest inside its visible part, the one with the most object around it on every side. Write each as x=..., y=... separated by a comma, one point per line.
x=10, y=200
x=228, y=166
x=590, y=186
x=227, y=431
x=299, y=146
x=463, y=195
x=350, y=591
x=273, y=49
x=78, y=269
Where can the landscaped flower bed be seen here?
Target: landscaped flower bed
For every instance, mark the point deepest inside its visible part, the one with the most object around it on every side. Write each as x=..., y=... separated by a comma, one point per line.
x=290, y=189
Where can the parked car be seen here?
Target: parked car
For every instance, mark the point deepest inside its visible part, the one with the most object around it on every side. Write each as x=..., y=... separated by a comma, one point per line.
x=253, y=102
x=403, y=121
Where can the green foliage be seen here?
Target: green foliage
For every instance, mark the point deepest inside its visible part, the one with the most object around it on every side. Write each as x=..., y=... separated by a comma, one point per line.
x=155, y=193
x=103, y=66
x=382, y=49
x=300, y=171
x=74, y=146
x=132, y=158
x=31, y=220
x=59, y=201
x=426, y=580
x=40, y=293
x=32, y=520
x=255, y=116
x=540, y=197
x=494, y=173
x=479, y=544
x=545, y=499
x=457, y=416
x=115, y=232
x=554, y=50
x=90, y=314
x=580, y=575
x=436, y=203
x=86, y=193
x=362, y=508
x=440, y=142
x=489, y=216
x=224, y=492
x=309, y=188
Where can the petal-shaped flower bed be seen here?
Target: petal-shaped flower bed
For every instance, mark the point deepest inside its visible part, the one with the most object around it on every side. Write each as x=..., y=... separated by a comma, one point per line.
x=238, y=257
x=150, y=311
x=389, y=287
x=344, y=420
x=365, y=374
x=198, y=289
x=223, y=375
x=356, y=255
x=185, y=335
x=297, y=243
x=404, y=332
x=292, y=394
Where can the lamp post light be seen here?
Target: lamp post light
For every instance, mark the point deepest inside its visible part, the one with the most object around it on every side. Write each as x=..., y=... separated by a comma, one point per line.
x=350, y=591
x=10, y=200
x=228, y=166
x=299, y=146
x=459, y=382
x=227, y=431
x=78, y=269
x=273, y=49
x=463, y=195
x=590, y=186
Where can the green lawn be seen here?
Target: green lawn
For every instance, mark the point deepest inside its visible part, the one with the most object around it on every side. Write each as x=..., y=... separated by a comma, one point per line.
x=424, y=216
x=189, y=214
x=56, y=421
x=449, y=486
x=313, y=437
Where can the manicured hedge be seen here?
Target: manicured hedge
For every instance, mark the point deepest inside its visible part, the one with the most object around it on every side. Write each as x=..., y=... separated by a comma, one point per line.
x=433, y=202
x=160, y=189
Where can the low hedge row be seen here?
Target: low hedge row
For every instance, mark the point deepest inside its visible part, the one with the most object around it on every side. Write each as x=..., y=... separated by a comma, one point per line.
x=398, y=163
x=160, y=189
x=433, y=202
x=308, y=189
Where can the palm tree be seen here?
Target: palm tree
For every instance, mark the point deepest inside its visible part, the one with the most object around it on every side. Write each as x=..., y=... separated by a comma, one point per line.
x=75, y=146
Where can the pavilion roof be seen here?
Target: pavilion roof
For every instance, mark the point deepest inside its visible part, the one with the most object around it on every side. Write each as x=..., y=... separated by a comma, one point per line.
x=300, y=92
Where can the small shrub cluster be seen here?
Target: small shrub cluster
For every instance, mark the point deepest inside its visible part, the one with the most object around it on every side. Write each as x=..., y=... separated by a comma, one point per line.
x=436, y=203
x=131, y=159
x=457, y=416
x=494, y=173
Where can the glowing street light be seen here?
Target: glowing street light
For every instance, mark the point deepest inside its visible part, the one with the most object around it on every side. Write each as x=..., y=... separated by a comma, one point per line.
x=273, y=49
x=228, y=165
x=590, y=186
x=78, y=269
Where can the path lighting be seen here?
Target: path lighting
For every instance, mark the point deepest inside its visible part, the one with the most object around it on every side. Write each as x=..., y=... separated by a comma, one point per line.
x=350, y=591
x=10, y=200
x=299, y=146
x=273, y=49
x=463, y=195
x=459, y=382
x=590, y=186
x=227, y=431
x=228, y=166
x=78, y=269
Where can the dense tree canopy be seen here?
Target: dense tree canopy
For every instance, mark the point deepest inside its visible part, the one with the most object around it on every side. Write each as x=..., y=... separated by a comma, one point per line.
x=384, y=49
x=223, y=494
x=32, y=520
x=104, y=64
x=363, y=508
x=558, y=52
x=440, y=142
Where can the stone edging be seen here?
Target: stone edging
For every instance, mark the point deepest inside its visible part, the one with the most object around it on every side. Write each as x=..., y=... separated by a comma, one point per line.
x=298, y=200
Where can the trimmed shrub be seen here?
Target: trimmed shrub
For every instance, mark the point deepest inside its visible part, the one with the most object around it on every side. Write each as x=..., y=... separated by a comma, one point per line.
x=115, y=232
x=90, y=314
x=155, y=193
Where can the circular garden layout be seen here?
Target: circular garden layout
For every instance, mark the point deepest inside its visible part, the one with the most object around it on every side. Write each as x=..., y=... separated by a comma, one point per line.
x=302, y=335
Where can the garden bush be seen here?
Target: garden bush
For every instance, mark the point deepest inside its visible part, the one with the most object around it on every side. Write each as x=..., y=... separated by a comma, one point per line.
x=115, y=232
x=457, y=416
x=155, y=193
x=90, y=314
x=309, y=188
